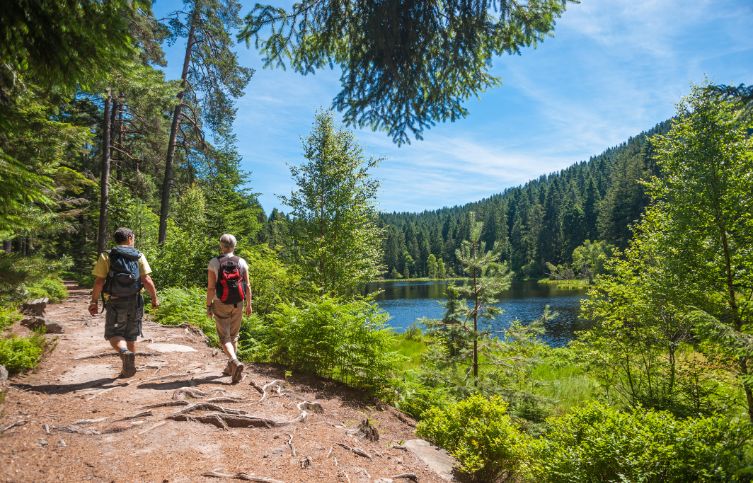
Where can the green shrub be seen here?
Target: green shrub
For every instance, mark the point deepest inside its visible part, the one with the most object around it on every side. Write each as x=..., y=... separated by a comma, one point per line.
x=417, y=399
x=600, y=443
x=20, y=354
x=479, y=433
x=9, y=316
x=51, y=287
x=186, y=306
x=345, y=341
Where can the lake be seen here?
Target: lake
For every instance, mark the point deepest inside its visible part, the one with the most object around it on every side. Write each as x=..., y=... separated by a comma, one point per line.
x=408, y=301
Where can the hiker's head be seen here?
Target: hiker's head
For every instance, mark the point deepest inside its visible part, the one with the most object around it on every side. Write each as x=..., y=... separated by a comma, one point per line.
x=124, y=236
x=227, y=243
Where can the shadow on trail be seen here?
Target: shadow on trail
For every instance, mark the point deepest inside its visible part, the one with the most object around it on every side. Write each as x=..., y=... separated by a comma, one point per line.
x=167, y=386
x=103, y=383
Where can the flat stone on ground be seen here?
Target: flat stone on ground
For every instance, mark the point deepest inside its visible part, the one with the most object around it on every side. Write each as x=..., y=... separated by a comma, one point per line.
x=435, y=458
x=162, y=347
x=89, y=372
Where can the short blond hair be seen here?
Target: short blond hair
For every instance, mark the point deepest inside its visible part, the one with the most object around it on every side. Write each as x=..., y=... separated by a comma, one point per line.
x=228, y=242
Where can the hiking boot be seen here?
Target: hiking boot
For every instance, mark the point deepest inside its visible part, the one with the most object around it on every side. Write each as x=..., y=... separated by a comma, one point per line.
x=229, y=369
x=128, y=359
x=238, y=371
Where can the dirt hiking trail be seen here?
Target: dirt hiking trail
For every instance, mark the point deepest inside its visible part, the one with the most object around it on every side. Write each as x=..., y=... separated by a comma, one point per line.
x=179, y=419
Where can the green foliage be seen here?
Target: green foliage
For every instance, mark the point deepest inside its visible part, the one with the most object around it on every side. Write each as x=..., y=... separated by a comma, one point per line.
x=272, y=282
x=387, y=82
x=479, y=433
x=599, y=443
x=51, y=287
x=186, y=306
x=9, y=316
x=343, y=340
x=20, y=354
x=336, y=240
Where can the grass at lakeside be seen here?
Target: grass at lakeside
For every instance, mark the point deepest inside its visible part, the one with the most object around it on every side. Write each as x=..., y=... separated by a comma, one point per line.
x=574, y=284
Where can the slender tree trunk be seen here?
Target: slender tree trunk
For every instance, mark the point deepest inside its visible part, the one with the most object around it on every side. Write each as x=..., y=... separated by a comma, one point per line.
x=116, y=136
x=104, y=181
x=168, y=180
x=7, y=246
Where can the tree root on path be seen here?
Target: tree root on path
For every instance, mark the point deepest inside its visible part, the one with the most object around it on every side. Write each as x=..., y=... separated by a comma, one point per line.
x=167, y=404
x=205, y=406
x=13, y=425
x=266, y=386
x=241, y=476
x=357, y=451
x=234, y=418
x=406, y=476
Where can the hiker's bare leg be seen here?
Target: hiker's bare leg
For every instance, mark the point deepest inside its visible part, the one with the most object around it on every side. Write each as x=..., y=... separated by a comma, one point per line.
x=131, y=344
x=229, y=349
x=119, y=344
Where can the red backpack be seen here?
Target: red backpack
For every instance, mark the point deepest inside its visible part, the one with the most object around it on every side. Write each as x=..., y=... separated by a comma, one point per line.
x=230, y=280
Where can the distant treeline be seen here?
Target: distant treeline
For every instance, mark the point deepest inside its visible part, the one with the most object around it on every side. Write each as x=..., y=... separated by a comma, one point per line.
x=541, y=221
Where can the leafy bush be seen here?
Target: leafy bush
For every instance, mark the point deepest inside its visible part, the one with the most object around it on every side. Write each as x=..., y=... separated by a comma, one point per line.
x=20, y=354
x=9, y=316
x=51, y=287
x=479, y=433
x=186, y=306
x=416, y=399
x=600, y=443
x=345, y=341
x=272, y=282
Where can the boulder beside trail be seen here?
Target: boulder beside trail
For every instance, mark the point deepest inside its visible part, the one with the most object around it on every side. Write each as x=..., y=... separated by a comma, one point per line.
x=35, y=307
x=36, y=322
x=3, y=373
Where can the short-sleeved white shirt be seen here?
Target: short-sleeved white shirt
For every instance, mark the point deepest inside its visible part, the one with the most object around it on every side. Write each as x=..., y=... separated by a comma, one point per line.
x=214, y=264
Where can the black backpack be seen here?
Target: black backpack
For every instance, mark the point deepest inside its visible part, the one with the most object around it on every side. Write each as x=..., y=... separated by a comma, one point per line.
x=124, y=277
x=230, y=280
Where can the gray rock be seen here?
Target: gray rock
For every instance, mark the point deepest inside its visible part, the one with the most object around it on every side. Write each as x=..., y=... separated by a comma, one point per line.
x=3, y=373
x=54, y=328
x=35, y=307
x=34, y=322
x=437, y=459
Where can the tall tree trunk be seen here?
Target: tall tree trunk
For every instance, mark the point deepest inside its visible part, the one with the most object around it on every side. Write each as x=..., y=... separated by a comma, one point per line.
x=116, y=136
x=104, y=181
x=168, y=180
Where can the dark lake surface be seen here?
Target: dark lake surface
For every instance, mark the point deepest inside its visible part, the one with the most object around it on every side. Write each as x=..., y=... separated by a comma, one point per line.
x=408, y=301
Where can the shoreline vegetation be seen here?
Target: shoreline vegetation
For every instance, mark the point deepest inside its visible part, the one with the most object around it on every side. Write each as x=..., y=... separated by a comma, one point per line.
x=574, y=284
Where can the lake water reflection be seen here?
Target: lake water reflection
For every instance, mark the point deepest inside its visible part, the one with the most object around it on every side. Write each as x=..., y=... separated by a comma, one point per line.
x=408, y=301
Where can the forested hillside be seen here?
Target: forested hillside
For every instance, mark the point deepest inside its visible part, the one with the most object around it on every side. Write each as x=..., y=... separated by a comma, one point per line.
x=541, y=221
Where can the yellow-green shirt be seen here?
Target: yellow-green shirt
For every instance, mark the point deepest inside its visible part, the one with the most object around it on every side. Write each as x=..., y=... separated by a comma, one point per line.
x=102, y=267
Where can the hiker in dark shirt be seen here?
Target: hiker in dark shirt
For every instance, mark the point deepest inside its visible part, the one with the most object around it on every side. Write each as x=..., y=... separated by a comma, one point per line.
x=120, y=275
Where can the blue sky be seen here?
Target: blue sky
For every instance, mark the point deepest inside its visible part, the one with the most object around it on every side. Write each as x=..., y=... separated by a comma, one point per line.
x=612, y=69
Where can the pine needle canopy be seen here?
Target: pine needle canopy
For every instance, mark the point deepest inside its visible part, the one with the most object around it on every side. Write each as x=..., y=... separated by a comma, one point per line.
x=406, y=64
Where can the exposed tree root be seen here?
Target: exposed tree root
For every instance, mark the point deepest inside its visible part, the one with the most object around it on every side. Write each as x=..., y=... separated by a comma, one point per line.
x=241, y=476
x=168, y=404
x=357, y=451
x=290, y=445
x=20, y=422
x=136, y=416
x=188, y=391
x=406, y=476
x=77, y=430
x=314, y=407
x=266, y=386
x=226, y=399
x=209, y=407
x=365, y=430
x=257, y=387
x=161, y=423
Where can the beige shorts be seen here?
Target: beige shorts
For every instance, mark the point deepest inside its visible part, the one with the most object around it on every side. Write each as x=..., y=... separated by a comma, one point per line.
x=228, y=321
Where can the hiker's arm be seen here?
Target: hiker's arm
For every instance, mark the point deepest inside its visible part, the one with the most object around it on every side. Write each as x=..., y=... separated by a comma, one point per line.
x=149, y=284
x=211, y=282
x=99, y=283
x=249, y=296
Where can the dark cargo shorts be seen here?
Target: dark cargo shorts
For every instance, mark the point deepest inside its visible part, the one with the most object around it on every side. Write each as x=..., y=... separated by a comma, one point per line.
x=123, y=317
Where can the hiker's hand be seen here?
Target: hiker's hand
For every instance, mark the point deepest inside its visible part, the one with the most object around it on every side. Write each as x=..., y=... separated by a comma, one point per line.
x=155, y=304
x=209, y=311
x=93, y=308
x=248, y=309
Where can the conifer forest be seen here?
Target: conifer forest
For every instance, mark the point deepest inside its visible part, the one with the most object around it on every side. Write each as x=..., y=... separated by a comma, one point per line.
x=115, y=114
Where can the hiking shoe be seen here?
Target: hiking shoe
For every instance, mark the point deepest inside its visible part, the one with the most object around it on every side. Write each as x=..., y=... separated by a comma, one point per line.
x=238, y=372
x=128, y=359
x=229, y=369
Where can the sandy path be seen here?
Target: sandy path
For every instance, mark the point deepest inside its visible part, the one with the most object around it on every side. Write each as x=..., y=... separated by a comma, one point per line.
x=77, y=381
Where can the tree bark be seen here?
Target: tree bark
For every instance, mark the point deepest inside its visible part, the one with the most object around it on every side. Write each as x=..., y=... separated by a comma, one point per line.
x=104, y=181
x=168, y=180
x=7, y=246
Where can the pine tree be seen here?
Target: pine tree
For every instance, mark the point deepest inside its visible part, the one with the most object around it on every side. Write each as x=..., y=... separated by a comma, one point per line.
x=334, y=229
